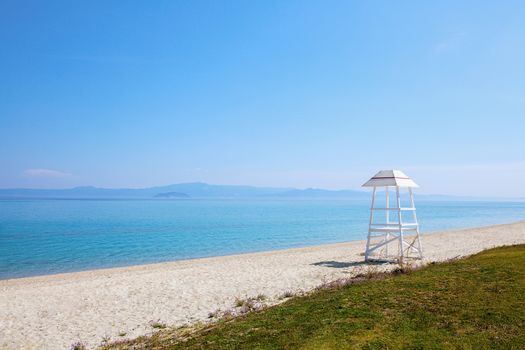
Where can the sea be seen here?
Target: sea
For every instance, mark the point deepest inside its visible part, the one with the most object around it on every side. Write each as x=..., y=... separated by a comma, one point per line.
x=40, y=237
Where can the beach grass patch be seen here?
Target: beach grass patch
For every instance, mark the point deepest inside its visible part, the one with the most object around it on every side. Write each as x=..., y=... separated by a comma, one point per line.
x=157, y=324
x=472, y=303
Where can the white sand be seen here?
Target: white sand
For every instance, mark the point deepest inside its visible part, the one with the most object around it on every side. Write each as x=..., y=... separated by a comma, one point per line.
x=52, y=312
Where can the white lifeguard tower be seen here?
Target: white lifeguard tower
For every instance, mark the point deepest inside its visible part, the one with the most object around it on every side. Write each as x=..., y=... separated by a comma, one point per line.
x=393, y=238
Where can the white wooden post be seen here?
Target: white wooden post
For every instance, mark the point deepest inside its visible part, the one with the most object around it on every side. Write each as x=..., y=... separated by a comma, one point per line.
x=370, y=223
x=400, y=223
x=414, y=216
x=387, y=207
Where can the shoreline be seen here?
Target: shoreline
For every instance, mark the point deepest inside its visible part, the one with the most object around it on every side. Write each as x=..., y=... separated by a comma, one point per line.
x=147, y=266
x=53, y=311
x=143, y=267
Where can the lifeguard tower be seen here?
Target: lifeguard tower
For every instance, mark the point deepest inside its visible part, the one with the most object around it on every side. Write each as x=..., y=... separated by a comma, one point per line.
x=392, y=237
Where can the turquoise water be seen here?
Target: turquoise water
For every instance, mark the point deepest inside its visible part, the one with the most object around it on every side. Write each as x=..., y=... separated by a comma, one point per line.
x=52, y=236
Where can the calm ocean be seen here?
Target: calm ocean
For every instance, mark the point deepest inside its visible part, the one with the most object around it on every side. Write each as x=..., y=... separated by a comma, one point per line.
x=51, y=236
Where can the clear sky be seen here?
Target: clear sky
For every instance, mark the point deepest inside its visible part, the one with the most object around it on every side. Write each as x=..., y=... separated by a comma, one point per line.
x=280, y=93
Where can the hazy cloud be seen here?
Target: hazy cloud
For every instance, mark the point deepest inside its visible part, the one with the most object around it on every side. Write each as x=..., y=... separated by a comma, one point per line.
x=45, y=173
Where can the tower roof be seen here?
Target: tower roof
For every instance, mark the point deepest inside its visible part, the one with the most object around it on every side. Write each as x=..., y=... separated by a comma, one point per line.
x=390, y=178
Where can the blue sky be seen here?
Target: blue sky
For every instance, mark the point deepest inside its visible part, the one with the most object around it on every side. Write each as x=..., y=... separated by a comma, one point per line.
x=278, y=93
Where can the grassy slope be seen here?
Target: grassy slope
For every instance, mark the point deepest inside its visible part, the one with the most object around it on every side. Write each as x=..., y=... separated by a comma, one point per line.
x=475, y=303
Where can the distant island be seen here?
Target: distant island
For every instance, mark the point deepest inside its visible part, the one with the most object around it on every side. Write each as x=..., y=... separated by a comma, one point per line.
x=171, y=195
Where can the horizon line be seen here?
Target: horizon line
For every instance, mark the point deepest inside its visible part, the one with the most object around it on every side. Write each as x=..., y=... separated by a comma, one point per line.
x=255, y=187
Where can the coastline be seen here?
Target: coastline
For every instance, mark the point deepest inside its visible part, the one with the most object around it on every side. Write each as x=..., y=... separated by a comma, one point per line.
x=53, y=311
x=90, y=272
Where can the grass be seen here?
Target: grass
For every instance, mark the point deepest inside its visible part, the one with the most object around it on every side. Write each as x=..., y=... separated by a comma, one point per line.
x=473, y=303
x=157, y=325
x=287, y=294
x=240, y=302
x=78, y=346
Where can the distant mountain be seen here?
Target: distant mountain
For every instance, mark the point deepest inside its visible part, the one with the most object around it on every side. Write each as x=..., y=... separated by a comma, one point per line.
x=182, y=190
x=193, y=190
x=203, y=190
x=320, y=193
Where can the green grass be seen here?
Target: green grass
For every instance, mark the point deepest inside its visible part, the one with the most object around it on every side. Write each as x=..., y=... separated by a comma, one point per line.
x=474, y=303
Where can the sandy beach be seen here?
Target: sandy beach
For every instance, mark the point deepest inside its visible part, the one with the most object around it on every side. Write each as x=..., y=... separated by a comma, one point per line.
x=52, y=312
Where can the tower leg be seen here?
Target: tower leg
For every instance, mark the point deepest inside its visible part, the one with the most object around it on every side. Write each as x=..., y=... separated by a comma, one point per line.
x=400, y=223
x=414, y=216
x=419, y=248
x=370, y=224
x=387, y=216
